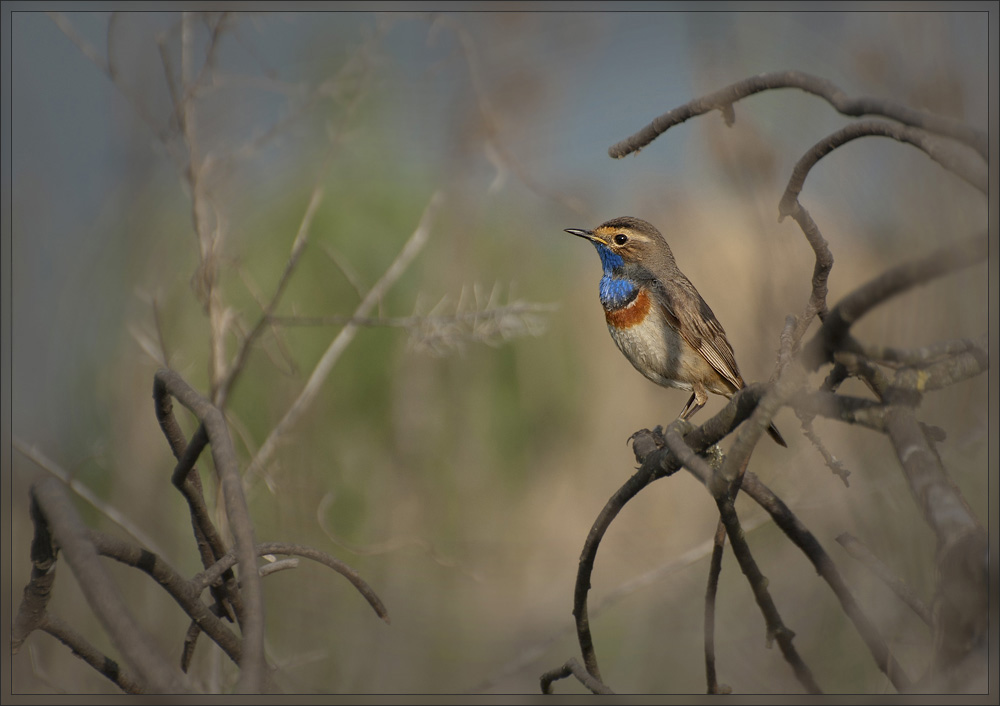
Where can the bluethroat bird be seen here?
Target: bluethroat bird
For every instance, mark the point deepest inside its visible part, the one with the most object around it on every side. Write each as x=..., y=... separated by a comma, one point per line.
x=657, y=317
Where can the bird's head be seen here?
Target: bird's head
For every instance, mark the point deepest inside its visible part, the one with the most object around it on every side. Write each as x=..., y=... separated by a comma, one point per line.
x=625, y=244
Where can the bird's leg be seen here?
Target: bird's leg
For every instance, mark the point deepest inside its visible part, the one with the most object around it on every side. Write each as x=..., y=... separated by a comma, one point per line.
x=684, y=411
x=698, y=399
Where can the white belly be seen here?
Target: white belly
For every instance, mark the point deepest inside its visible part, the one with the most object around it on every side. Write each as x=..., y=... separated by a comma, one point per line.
x=656, y=351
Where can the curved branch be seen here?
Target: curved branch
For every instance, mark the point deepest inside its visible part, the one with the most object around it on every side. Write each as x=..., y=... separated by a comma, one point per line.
x=212, y=574
x=639, y=480
x=723, y=100
x=649, y=445
x=252, y=663
x=100, y=591
x=790, y=206
x=875, y=128
x=187, y=480
x=572, y=667
x=184, y=592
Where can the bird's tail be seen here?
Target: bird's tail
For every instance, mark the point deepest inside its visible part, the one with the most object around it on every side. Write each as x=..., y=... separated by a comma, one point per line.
x=776, y=435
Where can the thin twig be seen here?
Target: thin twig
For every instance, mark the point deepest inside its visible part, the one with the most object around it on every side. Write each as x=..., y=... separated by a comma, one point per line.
x=109, y=511
x=90, y=52
x=497, y=150
x=413, y=246
x=298, y=245
x=714, y=569
x=862, y=553
x=212, y=574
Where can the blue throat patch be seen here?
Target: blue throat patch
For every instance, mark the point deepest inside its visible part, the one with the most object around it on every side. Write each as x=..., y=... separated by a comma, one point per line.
x=616, y=291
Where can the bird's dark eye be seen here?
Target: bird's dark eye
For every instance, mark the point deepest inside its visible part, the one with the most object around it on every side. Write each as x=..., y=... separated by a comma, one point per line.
x=621, y=239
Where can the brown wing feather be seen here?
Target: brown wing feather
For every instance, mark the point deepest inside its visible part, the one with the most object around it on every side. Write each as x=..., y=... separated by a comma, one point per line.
x=701, y=329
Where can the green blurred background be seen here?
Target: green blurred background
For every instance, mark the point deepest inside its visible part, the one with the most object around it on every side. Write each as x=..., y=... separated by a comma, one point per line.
x=461, y=482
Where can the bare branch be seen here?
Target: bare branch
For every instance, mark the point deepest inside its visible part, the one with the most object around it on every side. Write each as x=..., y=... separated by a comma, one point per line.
x=946, y=372
x=497, y=151
x=862, y=553
x=926, y=355
x=573, y=668
x=186, y=593
x=252, y=664
x=723, y=100
x=109, y=511
x=943, y=506
x=877, y=128
x=724, y=497
x=650, y=452
x=529, y=655
x=639, y=480
x=894, y=281
x=276, y=566
x=188, y=481
x=298, y=245
x=832, y=462
x=413, y=246
x=101, y=593
x=797, y=532
x=212, y=574
x=39, y=589
x=104, y=665
x=714, y=569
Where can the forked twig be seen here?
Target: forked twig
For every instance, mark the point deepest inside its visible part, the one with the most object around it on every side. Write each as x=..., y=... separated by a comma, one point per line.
x=319, y=374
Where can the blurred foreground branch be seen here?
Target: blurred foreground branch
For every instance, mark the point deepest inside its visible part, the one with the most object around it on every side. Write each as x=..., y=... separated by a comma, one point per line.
x=58, y=528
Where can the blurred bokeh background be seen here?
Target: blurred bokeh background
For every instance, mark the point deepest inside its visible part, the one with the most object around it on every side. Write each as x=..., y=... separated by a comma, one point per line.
x=460, y=475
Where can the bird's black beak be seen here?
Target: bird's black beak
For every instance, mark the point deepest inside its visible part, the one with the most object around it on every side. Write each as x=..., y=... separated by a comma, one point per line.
x=589, y=235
